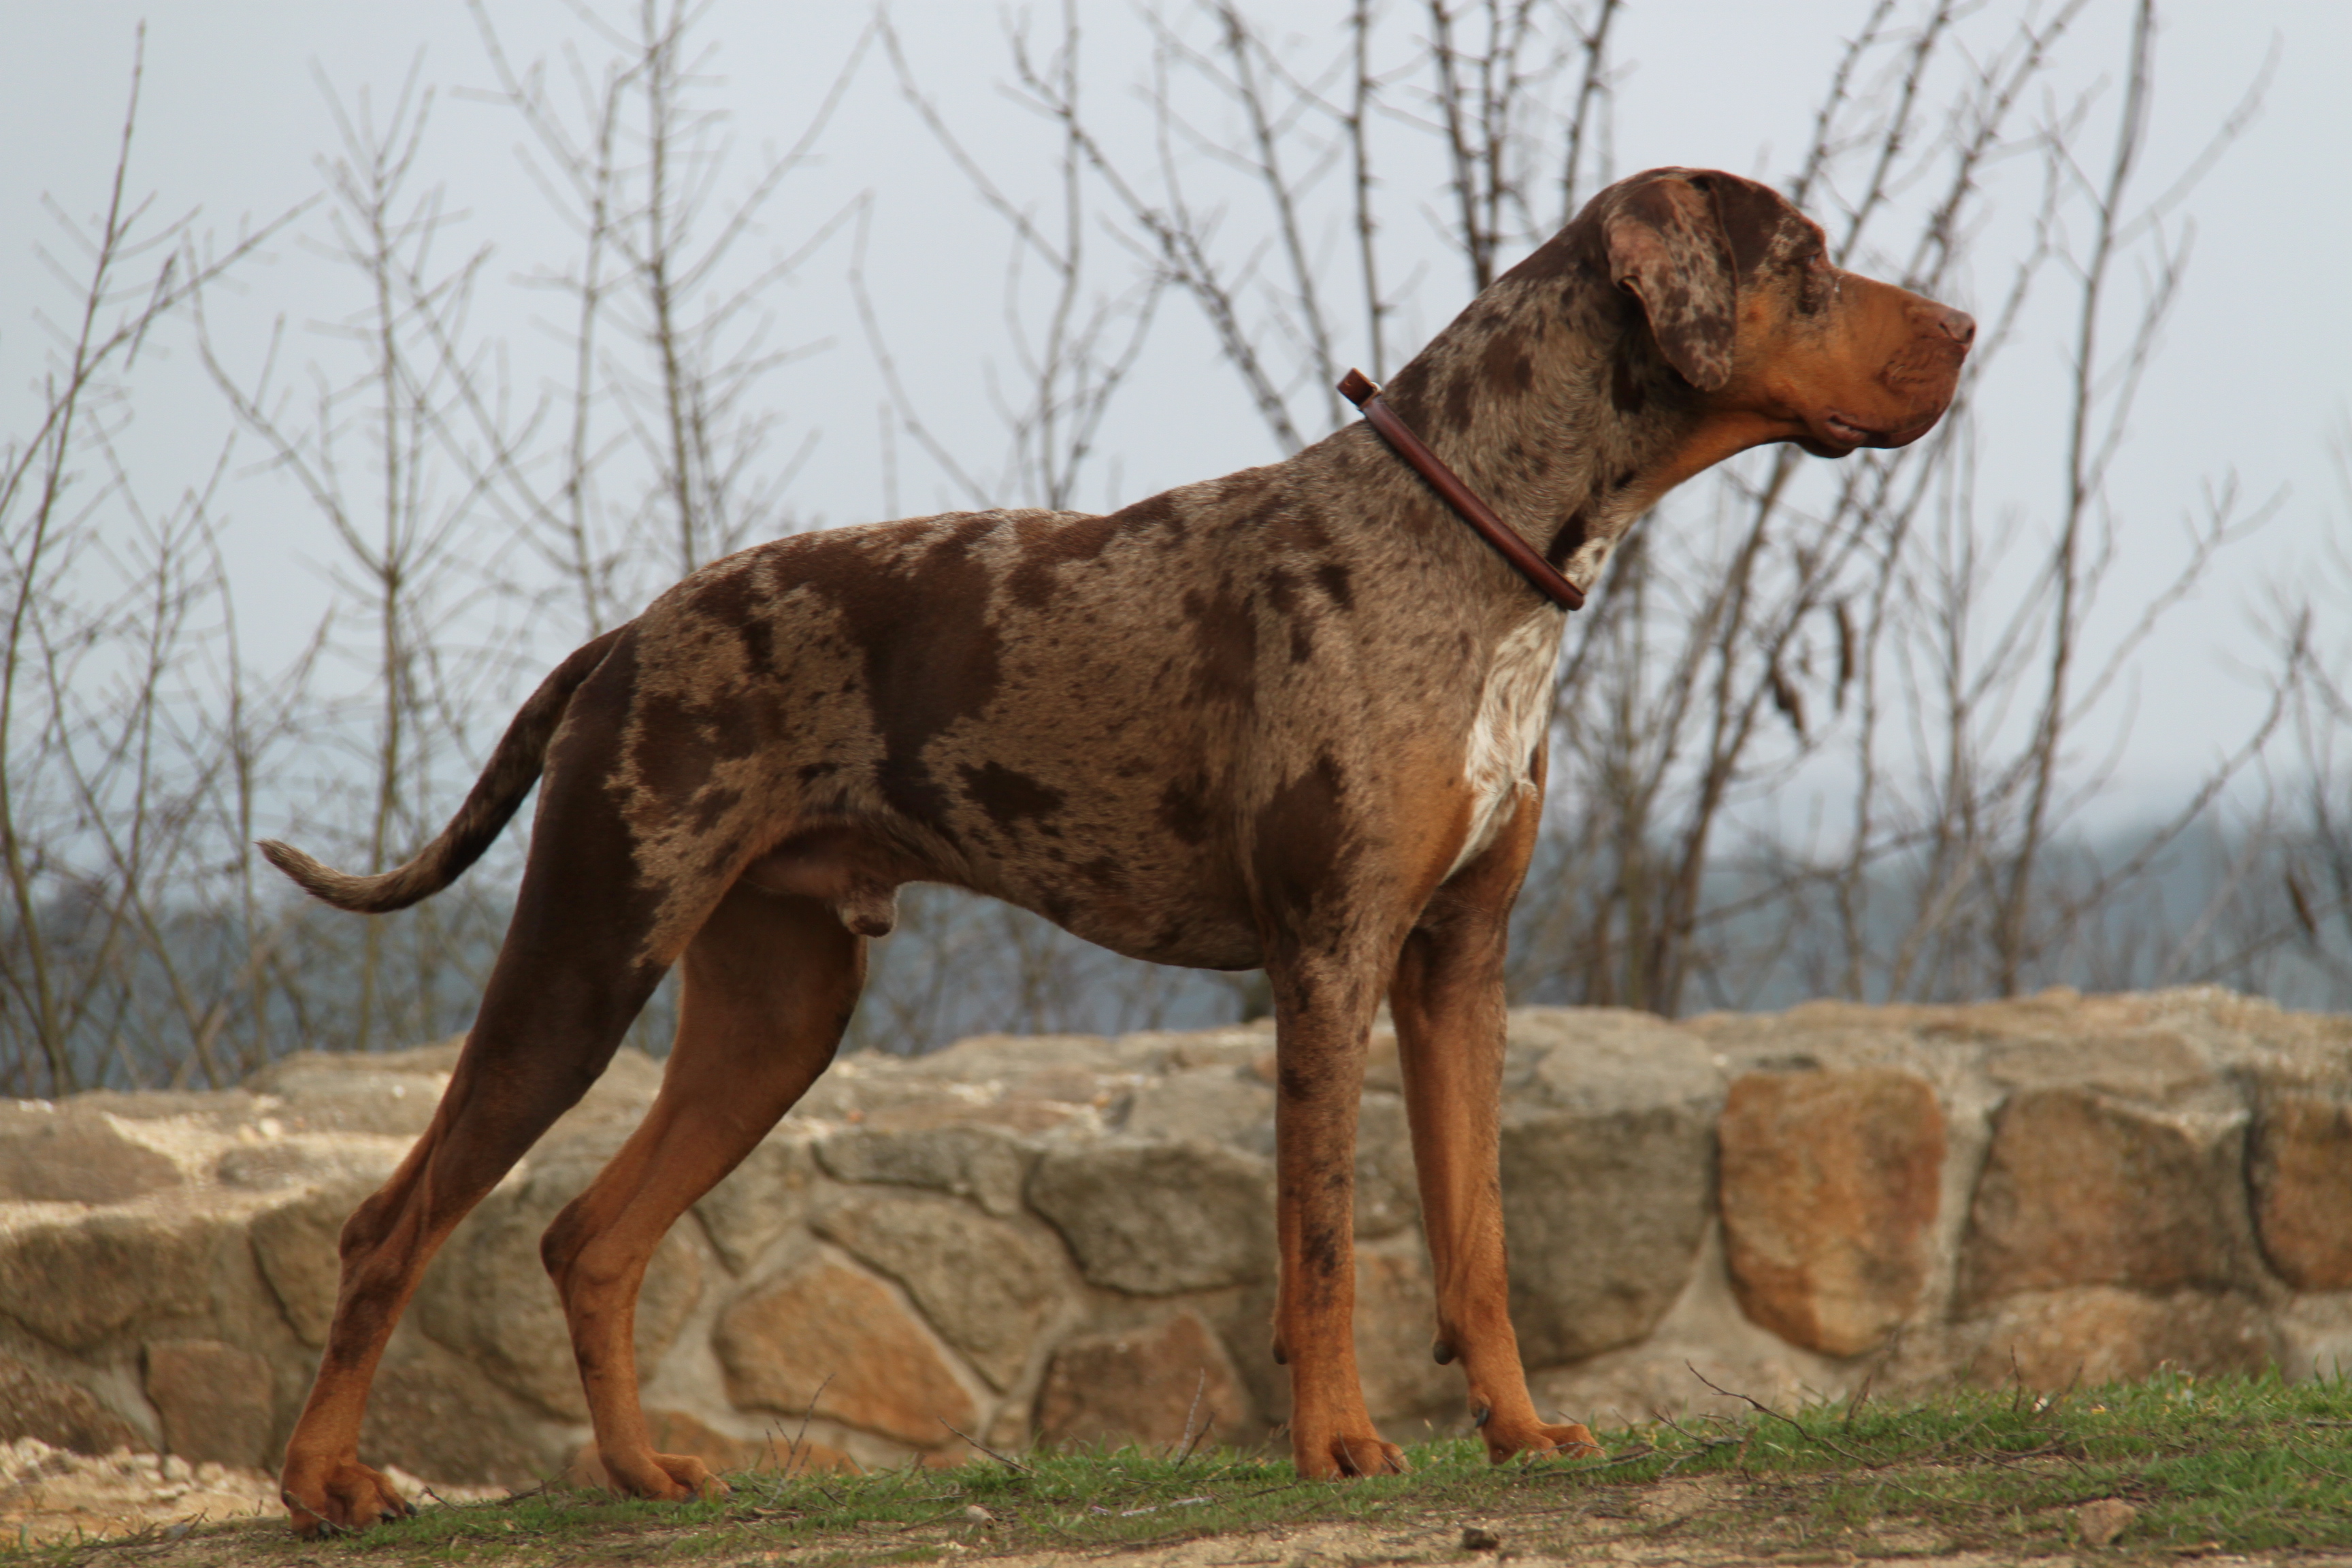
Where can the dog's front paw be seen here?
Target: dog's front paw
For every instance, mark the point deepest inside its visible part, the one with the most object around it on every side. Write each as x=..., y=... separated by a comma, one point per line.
x=343, y=1496
x=1536, y=1439
x=665, y=1478
x=1346, y=1453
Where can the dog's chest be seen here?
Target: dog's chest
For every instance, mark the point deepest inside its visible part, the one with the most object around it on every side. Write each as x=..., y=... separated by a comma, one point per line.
x=1514, y=707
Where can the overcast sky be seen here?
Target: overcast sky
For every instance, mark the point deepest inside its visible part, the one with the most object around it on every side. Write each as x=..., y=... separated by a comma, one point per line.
x=2252, y=379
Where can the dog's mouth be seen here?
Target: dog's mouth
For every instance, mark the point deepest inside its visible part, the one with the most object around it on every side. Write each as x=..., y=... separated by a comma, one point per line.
x=1837, y=435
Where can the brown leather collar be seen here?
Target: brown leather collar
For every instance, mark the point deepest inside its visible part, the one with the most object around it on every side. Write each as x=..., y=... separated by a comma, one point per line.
x=1365, y=394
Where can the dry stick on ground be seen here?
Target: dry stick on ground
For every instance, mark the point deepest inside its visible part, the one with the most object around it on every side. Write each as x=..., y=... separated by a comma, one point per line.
x=1763, y=1409
x=1192, y=1435
x=1000, y=1458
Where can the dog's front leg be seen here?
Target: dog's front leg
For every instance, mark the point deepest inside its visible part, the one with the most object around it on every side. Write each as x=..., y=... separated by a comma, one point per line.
x=1323, y=1015
x=1447, y=1000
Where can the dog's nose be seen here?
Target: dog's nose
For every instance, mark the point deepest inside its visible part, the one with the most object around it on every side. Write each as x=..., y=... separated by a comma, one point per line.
x=1956, y=325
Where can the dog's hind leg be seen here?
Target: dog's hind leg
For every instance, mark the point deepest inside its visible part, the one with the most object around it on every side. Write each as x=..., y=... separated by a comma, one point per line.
x=572, y=976
x=1447, y=1000
x=525, y=1063
x=769, y=984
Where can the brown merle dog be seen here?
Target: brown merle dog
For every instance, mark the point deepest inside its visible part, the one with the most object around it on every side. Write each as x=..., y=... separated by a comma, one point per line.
x=1291, y=717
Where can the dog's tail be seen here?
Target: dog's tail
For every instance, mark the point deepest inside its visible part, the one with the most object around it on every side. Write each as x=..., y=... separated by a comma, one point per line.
x=513, y=768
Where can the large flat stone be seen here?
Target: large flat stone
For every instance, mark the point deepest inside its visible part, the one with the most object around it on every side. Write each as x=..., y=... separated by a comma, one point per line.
x=1204, y=1105
x=1603, y=1215
x=2144, y=1061
x=1155, y=1219
x=1601, y=1061
x=432, y=1413
x=760, y=1200
x=988, y=1286
x=987, y=1164
x=1396, y=1324
x=2081, y=1189
x=77, y=1284
x=337, y=1094
x=38, y=1405
x=72, y=1156
x=829, y=1341
x=2301, y=1169
x=1160, y=1386
x=217, y=1403
x=2095, y=1334
x=295, y=1245
x=1830, y=1185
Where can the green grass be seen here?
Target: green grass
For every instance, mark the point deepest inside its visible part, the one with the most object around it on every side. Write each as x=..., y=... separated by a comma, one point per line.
x=2232, y=1464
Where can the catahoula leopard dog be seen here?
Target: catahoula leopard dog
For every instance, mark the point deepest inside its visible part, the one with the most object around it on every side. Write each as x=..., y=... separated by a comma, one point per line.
x=1293, y=718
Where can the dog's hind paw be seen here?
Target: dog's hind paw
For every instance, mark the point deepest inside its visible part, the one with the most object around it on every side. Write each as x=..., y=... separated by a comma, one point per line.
x=1540, y=1440
x=348, y=1496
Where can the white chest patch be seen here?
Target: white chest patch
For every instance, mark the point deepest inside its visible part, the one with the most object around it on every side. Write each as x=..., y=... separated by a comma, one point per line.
x=1512, y=713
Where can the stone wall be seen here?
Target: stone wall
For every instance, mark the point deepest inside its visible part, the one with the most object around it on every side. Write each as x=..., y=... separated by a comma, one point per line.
x=1070, y=1239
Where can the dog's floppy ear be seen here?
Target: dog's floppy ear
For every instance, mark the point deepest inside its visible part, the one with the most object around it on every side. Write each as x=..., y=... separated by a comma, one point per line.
x=1667, y=248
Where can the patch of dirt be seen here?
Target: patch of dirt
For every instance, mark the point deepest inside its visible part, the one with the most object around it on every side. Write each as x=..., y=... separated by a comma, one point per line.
x=152, y=1505
x=54, y=1494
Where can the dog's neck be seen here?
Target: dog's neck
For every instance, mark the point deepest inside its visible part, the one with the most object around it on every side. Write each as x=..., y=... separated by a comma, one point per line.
x=1547, y=395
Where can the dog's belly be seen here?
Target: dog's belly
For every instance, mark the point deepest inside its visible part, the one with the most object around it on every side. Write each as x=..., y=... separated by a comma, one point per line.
x=1135, y=904
x=1195, y=921
x=1514, y=711
x=1209, y=945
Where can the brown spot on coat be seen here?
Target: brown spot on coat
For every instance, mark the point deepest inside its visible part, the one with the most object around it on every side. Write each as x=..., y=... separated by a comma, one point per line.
x=1051, y=543
x=1303, y=845
x=732, y=599
x=1461, y=399
x=1244, y=489
x=932, y=655
x=1225, y=642
x=1300, y=525
x=1152, y=511
x=1185, y=809
x=1508, y=365
x=1567, y=540
x=1008, y=797
x=712, y=805
x=1626, y=393
x=667, y=757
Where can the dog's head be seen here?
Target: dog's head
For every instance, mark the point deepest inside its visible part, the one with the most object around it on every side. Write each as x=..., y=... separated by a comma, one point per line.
x=1745, y=306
